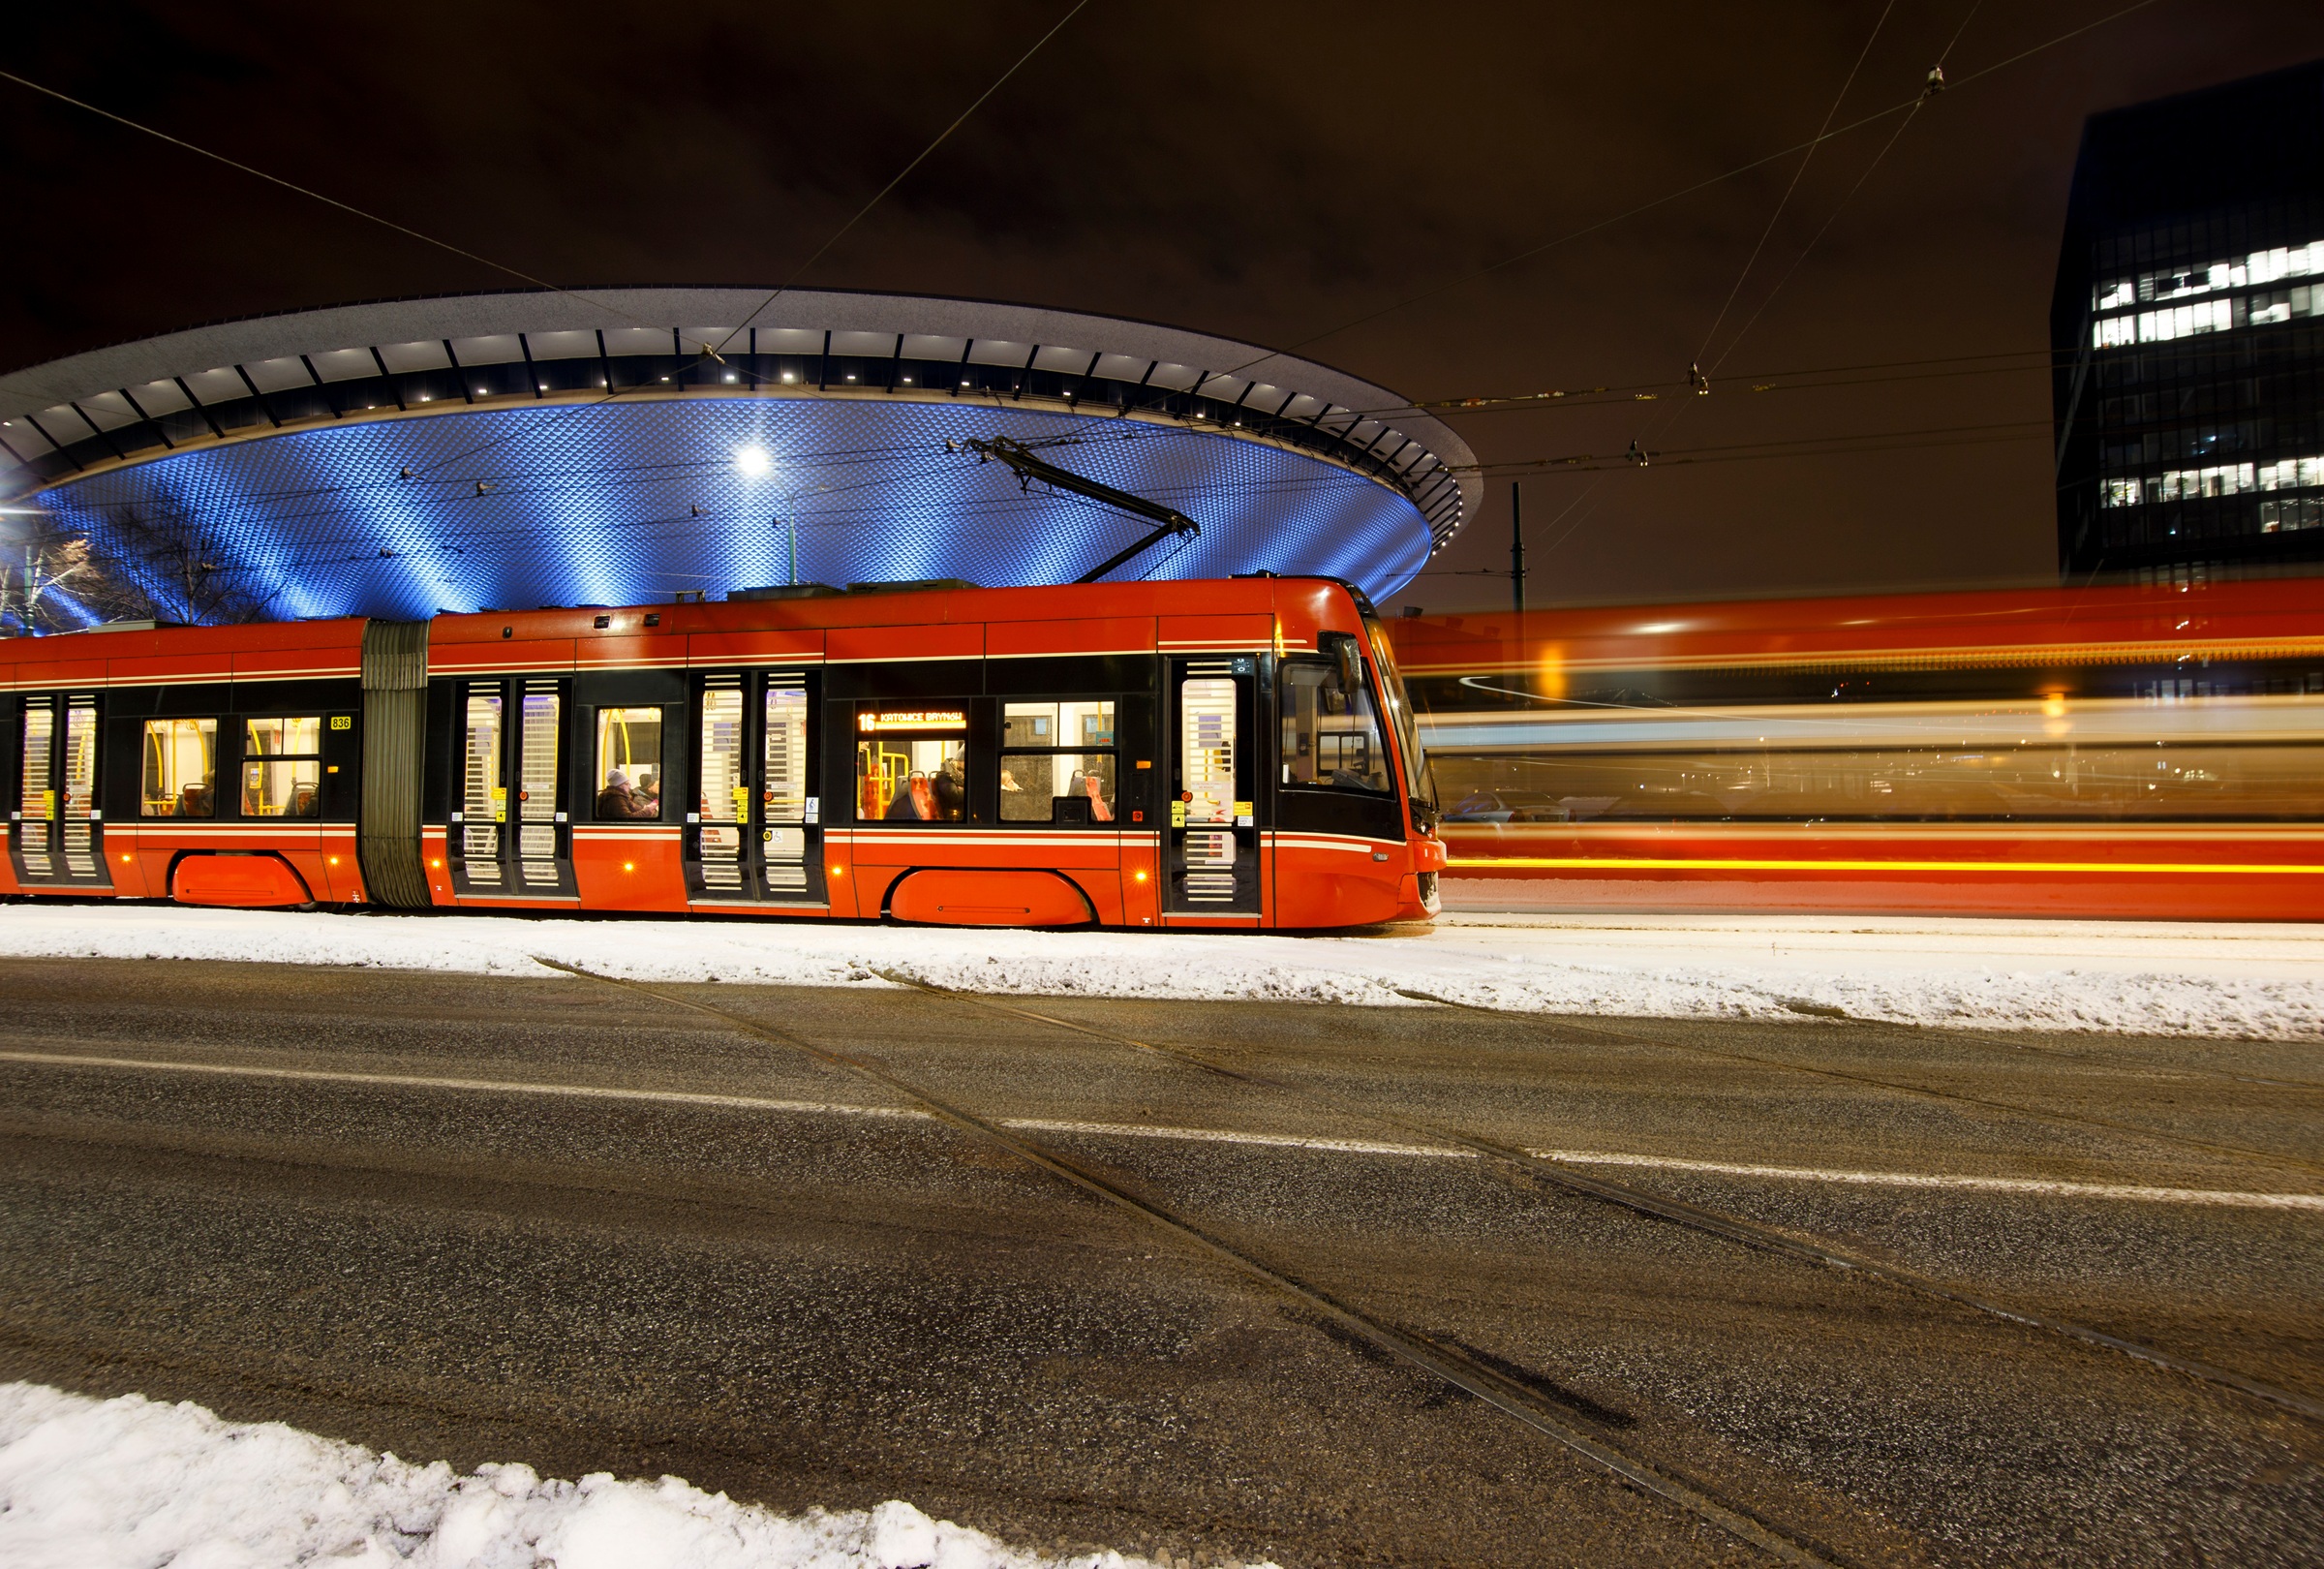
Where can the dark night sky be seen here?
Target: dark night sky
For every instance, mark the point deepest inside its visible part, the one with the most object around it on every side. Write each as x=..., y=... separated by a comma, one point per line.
x=1263, y=171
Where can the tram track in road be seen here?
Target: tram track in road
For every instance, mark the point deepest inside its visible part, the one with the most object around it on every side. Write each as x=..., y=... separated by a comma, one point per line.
x=1461, y=1368
x=704, y=1214
x=1548, y=1173
x=2194, y=1073
x=2041, y=1114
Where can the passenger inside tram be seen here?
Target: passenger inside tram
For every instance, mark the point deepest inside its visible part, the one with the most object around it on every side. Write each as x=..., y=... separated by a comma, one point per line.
x=179, y=755
x=912, y=780
x=628, y=744
x=950, y=791
x=622, y=800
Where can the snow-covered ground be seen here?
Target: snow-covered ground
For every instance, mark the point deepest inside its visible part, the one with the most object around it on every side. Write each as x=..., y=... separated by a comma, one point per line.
x=89, y=1484
x=2187, y=979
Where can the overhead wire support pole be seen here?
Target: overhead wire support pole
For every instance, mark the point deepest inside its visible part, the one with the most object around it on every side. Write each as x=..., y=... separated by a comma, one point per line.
x=1171, y=524
x=1517, y=552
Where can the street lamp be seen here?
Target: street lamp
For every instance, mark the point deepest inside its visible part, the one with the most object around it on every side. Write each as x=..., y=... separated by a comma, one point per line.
x=756, y=463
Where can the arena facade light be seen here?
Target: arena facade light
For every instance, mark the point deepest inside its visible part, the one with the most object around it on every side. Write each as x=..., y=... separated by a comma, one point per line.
x=597, y=447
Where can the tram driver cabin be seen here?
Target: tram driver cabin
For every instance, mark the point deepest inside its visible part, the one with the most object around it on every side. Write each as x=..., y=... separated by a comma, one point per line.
x=1237, y=755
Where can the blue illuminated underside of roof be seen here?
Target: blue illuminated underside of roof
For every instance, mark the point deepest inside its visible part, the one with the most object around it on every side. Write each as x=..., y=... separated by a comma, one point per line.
x=630, y=501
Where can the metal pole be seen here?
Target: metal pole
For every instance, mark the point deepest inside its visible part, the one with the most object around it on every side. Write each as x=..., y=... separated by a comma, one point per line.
x=794, y=512
x=1517, y=551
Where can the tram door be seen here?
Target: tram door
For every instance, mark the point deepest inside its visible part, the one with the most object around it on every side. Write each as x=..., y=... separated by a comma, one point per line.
x=56, y=829
x=511, y=837
x=757, y=833
x=1212, y=848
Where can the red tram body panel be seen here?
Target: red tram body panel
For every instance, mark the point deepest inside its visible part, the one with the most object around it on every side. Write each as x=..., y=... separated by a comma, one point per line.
x=1234, y=754
x=2144, y=751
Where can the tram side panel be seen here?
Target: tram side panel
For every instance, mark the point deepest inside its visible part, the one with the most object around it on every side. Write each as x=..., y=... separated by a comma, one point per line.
x=241, y=793
x=989, y=791
x=635, y=722
x=209, y=791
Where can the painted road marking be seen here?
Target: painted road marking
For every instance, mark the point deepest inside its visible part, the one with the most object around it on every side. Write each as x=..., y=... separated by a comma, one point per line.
x=505, y=1087
x=1216, y=1135
x=1906, y=1178
x=2217, y=1197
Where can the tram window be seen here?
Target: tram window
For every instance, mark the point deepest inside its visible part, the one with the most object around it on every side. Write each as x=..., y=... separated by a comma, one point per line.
x=282, y=767
x=629, y=765
x=484, y=788
x=35, y=801
x=1051, y=770
x=1058, y=725
x=911, y=779
x=1330, y=735
x=782, y=785
x=724, y=797
x=1057, y=787
x=911, y=764
x=180, y=768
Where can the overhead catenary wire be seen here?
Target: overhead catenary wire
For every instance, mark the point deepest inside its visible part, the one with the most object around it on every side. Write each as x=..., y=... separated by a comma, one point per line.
x=1935, y=82
x=1783, y=381
x=1680, y=194
x=611, y=392
x=1785, y=200
x=918, y=159
x=1586, y=502
x=570, y=478
x=1584, y=461
x=347, y=208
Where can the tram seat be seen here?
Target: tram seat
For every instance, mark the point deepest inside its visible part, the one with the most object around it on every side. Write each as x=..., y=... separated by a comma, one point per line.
x=239, y=881
x=946, y=897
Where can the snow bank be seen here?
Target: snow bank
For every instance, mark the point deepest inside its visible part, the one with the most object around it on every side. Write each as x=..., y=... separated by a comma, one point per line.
x=90, y=1483
x=2121, y=976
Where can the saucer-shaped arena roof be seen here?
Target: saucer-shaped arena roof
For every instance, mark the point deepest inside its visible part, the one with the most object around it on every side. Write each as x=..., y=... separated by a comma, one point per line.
x=617, y=445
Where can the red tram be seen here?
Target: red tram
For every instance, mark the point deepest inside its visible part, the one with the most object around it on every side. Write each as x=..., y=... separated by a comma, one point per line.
x=1231, y=755
x=2112, y=752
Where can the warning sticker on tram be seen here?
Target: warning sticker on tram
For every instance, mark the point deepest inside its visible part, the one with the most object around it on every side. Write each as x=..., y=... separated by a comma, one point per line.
x=912, y=719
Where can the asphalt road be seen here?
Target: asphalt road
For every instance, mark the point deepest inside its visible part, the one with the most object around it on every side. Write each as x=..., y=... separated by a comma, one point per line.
x=1215, y=1281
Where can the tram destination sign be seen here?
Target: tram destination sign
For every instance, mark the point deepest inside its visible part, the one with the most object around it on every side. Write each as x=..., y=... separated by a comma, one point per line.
x=870, y=721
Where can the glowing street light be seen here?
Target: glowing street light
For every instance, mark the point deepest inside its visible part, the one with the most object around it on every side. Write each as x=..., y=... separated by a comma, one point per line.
x=752, y=462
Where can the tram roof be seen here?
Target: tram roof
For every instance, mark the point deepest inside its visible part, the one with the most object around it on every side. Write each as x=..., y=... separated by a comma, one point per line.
x=1197, y=620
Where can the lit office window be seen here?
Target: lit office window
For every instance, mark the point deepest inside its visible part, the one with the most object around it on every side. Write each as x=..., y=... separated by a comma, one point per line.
x=2291, y=474
x=2186, y=321
x=2120, y=493
x=2284, y=305
x=2299, y=260
x=2209, y=314
x=2186, y=485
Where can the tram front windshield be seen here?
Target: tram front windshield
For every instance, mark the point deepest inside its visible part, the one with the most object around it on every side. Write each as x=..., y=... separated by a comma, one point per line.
x=1419, y=777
